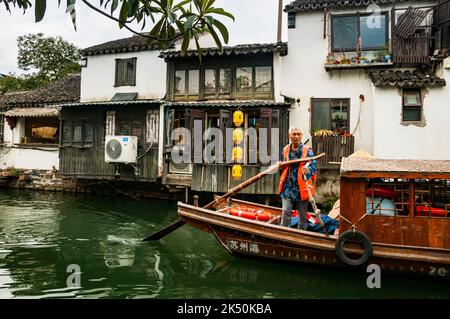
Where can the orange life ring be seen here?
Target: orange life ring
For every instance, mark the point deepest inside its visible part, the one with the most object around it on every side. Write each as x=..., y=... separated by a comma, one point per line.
x=250, y=214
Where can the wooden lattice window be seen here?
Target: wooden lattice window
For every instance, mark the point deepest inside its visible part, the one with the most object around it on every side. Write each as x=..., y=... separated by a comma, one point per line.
x=2, y=128
x=125, y=72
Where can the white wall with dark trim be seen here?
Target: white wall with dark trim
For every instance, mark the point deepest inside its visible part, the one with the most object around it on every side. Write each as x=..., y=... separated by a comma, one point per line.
x=12, y=154
x=380, y=130
x=98, y=77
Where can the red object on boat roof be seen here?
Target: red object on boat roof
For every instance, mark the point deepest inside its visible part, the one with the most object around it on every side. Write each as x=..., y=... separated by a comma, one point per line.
x=381, y=192
x=430, y=211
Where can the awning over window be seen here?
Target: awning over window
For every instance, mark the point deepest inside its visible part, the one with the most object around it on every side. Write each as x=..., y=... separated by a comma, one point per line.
x=33, y=112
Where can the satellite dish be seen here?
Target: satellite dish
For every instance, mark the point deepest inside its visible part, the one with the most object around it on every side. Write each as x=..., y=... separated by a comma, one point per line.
x=114, y=149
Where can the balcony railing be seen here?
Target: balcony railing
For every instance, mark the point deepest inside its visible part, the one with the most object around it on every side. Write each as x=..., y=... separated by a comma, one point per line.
x=412, y=50
x=335, y=147
x=442, y=12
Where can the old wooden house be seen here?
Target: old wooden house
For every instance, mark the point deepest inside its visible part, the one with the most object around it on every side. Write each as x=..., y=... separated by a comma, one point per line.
x=29, y=124
x=369, y=75
x=112, y=133
x=207, y=92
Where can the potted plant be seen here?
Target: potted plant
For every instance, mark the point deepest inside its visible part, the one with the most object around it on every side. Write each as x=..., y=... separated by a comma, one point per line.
x=384, y=54
x=330, y=58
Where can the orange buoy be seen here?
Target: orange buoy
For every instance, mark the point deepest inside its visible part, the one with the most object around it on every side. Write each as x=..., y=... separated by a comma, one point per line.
x=259, y=215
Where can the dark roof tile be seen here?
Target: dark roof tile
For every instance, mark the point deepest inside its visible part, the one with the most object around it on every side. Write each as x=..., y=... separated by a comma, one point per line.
x=228, y=103
x=242, y=49
x=62, y=91
x=310, y=5
x=405, y=79
x=131, y=44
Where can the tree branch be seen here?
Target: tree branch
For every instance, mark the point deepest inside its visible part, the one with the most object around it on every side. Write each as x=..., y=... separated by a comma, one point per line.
x=118, y=20
x=175, y=37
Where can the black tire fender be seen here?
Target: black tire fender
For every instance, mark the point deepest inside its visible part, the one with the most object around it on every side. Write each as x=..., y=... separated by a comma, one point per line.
x=354, y=235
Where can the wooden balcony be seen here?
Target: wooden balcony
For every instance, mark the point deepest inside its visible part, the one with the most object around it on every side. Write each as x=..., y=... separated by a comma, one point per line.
x=412, y=50
x=442, y=12
x=335, y=147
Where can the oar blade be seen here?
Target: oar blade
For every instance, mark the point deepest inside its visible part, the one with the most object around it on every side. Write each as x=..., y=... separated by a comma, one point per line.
x=165, y=231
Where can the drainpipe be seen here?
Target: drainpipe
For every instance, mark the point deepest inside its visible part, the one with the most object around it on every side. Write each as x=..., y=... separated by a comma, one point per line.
x=280, y=20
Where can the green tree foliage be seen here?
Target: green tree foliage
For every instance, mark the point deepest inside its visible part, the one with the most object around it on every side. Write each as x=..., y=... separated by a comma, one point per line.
x=44, y=59
x=170, y=19
x=11, y=83
x=51, y=58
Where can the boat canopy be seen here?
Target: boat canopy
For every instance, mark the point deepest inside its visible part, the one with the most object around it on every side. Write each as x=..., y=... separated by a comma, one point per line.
x=360, y=167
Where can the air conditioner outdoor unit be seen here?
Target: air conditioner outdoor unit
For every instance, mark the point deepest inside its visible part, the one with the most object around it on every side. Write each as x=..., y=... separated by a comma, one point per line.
x=179, y=168
x=120, y=149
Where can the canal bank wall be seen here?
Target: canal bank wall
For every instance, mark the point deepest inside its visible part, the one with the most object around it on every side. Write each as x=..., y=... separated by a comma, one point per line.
x=51, y=181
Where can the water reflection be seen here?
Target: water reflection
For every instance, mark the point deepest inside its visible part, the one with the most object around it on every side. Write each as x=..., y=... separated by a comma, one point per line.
x=41, y=234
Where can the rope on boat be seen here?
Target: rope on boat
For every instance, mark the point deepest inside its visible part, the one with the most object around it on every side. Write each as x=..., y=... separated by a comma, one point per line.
x=353, y=225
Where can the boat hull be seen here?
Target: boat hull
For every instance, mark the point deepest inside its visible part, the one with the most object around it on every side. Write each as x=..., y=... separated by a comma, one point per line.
x=250, y=238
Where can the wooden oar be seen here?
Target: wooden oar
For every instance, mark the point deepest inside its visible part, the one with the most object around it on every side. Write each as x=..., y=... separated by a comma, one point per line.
x=272, y=169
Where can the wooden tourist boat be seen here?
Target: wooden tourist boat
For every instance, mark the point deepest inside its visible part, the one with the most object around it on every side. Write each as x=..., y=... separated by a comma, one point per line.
x=400, y=238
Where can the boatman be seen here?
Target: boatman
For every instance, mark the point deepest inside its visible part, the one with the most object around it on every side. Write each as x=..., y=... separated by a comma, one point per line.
x=294, y=179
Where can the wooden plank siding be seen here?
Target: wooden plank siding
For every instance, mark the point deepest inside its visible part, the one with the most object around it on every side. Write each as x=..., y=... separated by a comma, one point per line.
x=412, y=50
x=442, y=24
x=442, y=12
x=335, y=148
x=89, y=162
x=397, y=230
x=217, y=179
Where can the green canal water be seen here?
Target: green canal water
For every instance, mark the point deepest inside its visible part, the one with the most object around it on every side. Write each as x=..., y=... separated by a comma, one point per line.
x=41, y=234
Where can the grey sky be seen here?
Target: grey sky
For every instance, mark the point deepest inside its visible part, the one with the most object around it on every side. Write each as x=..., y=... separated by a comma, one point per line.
x=256, y=21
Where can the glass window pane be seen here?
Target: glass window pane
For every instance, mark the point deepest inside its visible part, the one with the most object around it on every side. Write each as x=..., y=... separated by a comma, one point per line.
x=411, y=114
x=345, y=33
x=88, y=133
x=180, y=82
x=76, y=133
x=210, y=81
x=130, y=71
x=225, y=80
x=125, y=129
x=339, y=115
x=136, y=128
x=193, y=81
x=411, y=99
x=65, y=132
x=263, y=79
x=320, y=115
x=244, y=80
x=120, y=72
x=2, y=125
x=373, y=31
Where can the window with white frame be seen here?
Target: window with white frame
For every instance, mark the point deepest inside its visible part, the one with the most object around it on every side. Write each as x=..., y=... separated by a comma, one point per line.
x=152, y=126
x=110, y=122
x=2, y=128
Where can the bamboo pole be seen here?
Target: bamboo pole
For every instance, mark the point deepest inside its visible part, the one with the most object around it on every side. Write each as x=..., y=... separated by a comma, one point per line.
x=271, y=170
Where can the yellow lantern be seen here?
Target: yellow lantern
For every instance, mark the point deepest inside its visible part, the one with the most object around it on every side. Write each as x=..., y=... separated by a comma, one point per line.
x=238, y=135
x=238, y=118
x=237, y=153
x=236, y=172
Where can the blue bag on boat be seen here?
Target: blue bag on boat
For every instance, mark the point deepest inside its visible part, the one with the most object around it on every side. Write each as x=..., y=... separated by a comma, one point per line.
x=330, y=224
